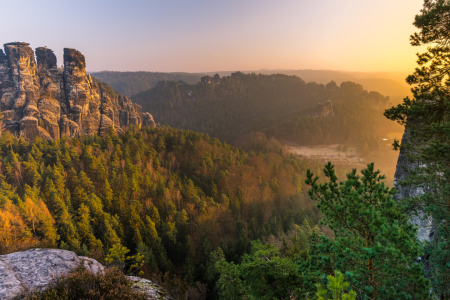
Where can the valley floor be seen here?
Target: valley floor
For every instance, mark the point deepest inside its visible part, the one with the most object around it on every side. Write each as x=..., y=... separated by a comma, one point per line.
x=348, y=157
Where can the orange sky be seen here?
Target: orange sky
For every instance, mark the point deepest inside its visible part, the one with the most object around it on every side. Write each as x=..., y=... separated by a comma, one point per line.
x=195, y=36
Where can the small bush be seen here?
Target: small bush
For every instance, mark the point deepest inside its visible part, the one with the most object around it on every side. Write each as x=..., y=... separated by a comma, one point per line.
x=98, y=255
x=84, y=284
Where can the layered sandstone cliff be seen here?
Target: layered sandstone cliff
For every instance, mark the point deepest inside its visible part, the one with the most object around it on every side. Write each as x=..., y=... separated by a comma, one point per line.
x=38, y=99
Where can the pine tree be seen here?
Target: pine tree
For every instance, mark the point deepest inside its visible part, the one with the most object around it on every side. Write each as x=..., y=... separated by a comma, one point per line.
x=189, y=263
x=149, y=258
x=204, y=262
x=375, y=244
x=107, y=195
x=154, y=216
x=83, y=225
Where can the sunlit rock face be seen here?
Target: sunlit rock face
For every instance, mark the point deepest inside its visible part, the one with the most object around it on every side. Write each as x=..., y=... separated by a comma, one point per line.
x=38, y=99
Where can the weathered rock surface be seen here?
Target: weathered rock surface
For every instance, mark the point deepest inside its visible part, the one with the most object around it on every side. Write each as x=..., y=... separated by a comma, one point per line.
x=38, y=99
x=426, y=229
x=37, y=268
x=323, y=110
x=147, y=287
x=147, y=120
x=33, y=269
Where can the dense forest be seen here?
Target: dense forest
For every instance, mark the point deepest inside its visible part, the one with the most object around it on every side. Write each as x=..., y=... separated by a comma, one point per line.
x=212, y=220
x=355, y=121
x=274, y=104
x=131, y=83
x=175, y=195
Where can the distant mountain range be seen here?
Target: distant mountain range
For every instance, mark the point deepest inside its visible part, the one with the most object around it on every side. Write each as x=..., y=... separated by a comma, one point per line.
x=387, y=83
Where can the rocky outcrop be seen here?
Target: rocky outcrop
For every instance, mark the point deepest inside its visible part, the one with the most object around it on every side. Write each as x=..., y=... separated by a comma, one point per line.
x=152, y=290
x=322, y=110
x=147, y=120
x=38, y=99
x=210, y=80
x=35, y=269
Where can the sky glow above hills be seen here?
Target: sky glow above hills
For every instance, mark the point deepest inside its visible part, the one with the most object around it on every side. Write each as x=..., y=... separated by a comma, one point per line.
x=197, y=36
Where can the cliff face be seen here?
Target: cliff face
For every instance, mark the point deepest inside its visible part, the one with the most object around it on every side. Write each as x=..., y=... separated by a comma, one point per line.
x=426, y=229
x=36, y=99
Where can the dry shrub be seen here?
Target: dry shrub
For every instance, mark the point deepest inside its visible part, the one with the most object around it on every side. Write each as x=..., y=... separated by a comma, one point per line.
x=98, y=255
x=197, y=292
x=84, y=284
x=173, y=284
x=177, y=287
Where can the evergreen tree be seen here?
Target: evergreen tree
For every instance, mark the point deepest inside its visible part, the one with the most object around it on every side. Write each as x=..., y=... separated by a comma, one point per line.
x=263, y=274
x=149, y=258
x=375, y=244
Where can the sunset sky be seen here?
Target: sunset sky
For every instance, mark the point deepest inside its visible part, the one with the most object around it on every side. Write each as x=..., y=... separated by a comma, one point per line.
x=200, y=36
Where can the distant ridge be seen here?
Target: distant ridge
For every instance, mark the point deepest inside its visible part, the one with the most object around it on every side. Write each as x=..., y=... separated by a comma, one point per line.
x=132, y=83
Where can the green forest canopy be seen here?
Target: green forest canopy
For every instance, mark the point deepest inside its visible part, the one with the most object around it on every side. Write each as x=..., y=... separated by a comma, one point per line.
x=167, y=188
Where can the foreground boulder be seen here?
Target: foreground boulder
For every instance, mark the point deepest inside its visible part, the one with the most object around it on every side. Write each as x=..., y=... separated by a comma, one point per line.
x=36, y=268
x=38, y=99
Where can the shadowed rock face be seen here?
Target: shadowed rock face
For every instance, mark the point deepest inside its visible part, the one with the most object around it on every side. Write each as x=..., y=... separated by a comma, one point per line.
x=426, y=229
x=37, y=99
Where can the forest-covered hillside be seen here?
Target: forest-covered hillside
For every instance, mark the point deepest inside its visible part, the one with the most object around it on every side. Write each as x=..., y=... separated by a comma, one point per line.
x=173, y=194
x=390, y=84
x=354, y=121
x=275, y=104
x=131, y=83
x=210, y=220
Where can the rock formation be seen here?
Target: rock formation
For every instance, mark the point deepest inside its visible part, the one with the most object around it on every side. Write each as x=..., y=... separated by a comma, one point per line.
x=323, y=110
x=37, y=268
x=426, y=229
x=210, y=80
x=37, y=99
